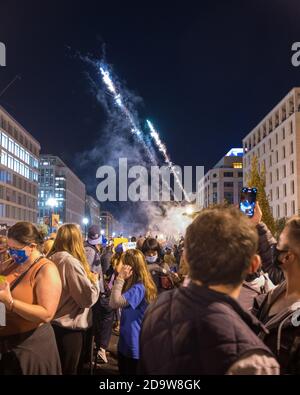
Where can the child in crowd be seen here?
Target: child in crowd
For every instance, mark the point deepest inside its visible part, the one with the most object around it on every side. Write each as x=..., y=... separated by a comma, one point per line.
x=133, y=290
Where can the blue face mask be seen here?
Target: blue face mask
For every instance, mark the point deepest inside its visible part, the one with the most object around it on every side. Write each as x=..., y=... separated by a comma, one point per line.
x=151, y=259
x=19, y=256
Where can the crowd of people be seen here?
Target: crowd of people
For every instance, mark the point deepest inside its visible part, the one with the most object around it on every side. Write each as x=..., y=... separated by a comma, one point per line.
x=223, y=300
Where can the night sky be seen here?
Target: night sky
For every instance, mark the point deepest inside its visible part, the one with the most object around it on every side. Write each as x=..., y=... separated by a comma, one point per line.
x=207, y=71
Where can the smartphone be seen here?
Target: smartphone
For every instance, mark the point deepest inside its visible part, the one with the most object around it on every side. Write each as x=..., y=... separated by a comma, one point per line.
x=248, y=201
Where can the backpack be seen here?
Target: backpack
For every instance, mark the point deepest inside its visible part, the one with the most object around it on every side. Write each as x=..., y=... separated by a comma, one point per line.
x=164, y=280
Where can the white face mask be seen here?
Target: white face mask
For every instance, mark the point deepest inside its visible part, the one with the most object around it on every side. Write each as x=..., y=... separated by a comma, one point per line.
x=151, y=259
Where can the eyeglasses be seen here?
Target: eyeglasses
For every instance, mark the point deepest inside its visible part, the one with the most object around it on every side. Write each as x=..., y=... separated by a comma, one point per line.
x=20, y=248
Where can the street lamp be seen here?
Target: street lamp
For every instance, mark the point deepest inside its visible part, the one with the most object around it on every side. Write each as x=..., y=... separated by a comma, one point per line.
x=189, y=210
x=85, y=222
x=51, y=202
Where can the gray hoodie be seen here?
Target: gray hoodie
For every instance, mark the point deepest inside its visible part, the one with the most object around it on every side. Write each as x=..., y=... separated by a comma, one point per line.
x=79, y=294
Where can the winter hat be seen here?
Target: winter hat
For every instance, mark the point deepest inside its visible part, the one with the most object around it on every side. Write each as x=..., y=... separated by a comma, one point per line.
x=94, y=236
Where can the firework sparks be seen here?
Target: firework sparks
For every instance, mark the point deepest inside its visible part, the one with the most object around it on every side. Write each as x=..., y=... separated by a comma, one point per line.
x=162, y=148
x=111, y=87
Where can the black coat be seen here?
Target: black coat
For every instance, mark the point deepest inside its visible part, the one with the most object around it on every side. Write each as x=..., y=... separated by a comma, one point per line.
x=194, y=330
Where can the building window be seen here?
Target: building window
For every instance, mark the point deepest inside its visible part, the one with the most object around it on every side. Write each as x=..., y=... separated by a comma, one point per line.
x=283, y=133
x=264, y=148
x=277, y=192
x=276, y=156
x=270, y=144
x=277, y=174
x=11, y=146
x=228, y=197
x=271, y=195
x=240, y=174
x=215, y=197
x=292, y=167
x=283, y=152
x=270, y=160
x=237, y=165
x=228, y=184
x=278, y=211
x=214, y=186
x=292, y=147
x=2, y=210
x=270, y=177
x=276, y=138
x=284, y=190
x=293, y=207
x=214, y=175
x=228, y=174
x=292, y=187
x=284, y=170
x=285, y=209
x=291, y=127
x=4, y=158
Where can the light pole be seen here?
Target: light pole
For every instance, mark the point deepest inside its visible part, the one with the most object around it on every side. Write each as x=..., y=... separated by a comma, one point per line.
x=51, y=202
x=190, y=210
x=85, y=222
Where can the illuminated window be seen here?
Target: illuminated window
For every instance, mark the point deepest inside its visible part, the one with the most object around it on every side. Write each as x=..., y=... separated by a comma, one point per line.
x=4, y=140
x=237, y=165
x=11, y=146
x=4, y=158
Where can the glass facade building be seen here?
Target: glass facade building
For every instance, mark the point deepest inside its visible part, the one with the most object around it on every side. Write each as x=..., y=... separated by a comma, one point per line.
x=57, y=181
x=19, y=162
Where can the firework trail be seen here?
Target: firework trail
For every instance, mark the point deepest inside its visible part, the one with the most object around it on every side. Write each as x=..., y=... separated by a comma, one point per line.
x=119, y=101
x=135, y=130
x=162, y=148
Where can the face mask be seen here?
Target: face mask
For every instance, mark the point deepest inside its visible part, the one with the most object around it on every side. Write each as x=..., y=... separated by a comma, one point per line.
x=275, y=256
x=19, y=256
x=151, y=259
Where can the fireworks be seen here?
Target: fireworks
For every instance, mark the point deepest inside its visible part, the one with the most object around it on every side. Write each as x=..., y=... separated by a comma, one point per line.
x=135, y=129
x=162, y=148
x=119, y=101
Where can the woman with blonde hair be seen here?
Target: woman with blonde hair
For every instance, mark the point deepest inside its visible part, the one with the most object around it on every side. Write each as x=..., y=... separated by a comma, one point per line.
x=80, y=292
x=133, y=291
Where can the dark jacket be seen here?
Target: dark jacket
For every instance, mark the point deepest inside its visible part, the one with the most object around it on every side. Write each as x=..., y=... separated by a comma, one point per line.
x=266, y=241
x=284, y=331
x=195, y=330
x=105, y=260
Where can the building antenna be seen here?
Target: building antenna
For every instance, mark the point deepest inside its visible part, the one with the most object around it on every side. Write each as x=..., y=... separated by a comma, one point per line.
x=11, y=82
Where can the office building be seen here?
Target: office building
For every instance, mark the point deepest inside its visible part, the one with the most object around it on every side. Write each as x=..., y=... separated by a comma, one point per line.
x=19, y=162
x=275, y=141
x=57, y=181
x=223, y=182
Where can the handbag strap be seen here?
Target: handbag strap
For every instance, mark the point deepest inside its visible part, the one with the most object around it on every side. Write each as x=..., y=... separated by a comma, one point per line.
x=22, y=275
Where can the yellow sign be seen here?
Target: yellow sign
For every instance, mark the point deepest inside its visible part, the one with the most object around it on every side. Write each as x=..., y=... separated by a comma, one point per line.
x=2, y=279
x=119, y=240
x=55, y=221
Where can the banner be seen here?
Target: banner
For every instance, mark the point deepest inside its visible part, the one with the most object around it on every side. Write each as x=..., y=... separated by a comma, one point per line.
x=119, y=240
x=129, y=246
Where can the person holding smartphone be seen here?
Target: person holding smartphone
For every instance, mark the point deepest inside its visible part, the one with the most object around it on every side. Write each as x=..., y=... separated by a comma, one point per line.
x=250, y=207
